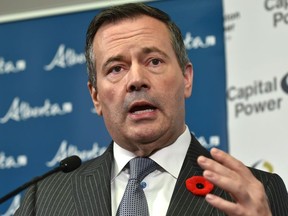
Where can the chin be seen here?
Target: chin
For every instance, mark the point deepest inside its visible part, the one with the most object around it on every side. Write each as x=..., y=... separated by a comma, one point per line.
x=145, y=135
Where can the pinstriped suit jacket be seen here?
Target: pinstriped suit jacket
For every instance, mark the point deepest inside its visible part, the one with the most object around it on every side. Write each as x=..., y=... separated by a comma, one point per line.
x=86, y=191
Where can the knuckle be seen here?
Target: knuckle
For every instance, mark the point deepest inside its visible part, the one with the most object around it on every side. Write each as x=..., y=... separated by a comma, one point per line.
x=239, y=211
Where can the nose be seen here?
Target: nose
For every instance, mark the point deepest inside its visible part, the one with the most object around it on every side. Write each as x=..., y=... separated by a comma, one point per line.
x=137, y=79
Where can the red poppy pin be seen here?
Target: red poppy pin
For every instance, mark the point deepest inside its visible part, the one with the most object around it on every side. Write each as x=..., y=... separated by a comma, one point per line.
x=199, y=186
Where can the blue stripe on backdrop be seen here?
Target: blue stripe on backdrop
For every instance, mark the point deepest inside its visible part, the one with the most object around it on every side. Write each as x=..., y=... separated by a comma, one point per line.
x=201, y=23
x=46, y=112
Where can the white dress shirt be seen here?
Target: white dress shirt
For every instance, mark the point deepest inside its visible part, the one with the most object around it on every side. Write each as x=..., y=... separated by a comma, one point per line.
x=160, y=183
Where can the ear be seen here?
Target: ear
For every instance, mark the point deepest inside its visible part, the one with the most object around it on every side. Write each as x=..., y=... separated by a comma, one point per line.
x=188, y=80
x=95, y=98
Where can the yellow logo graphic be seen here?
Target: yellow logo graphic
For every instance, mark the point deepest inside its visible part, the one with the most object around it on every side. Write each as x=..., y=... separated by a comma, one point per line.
x=263, y=165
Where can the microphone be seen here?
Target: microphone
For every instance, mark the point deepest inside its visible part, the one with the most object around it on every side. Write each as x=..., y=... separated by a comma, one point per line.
x=66, y=165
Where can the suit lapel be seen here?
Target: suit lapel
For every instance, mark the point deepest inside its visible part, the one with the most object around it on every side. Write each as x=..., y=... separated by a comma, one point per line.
x=183, y=202
x=92, y=187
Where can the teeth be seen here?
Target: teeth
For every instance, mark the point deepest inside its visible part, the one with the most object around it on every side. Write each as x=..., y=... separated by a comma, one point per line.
x=143, y=111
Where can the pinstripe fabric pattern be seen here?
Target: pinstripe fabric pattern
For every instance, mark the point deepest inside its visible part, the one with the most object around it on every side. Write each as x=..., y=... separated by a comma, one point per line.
x=86, y=191
x=275, y=190
x=183, y=202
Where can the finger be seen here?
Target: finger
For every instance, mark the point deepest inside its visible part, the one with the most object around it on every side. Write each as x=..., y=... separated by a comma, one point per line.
x=229, y=180
x=213, y=166
x=227, y=183
x=228, y=161
x=237, y=184
x=256, y=207
x=229, y=208
x=218, y=174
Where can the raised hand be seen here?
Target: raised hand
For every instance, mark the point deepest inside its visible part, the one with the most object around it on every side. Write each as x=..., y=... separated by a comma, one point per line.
x=235, y=178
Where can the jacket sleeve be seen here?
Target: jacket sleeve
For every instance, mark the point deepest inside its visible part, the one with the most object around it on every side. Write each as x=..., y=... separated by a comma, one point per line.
x=27, y=206
x=277, y=195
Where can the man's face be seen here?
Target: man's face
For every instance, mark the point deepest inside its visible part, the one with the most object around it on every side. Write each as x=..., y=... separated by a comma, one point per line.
x=140, y=87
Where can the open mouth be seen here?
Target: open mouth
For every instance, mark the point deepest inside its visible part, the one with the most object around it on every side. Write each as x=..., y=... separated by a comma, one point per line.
x=139, y=108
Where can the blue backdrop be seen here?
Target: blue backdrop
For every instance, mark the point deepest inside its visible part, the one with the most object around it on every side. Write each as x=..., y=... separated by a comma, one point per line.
x=46, y=112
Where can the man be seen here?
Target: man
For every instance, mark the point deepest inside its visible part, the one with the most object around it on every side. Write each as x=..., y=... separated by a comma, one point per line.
x=139, y=78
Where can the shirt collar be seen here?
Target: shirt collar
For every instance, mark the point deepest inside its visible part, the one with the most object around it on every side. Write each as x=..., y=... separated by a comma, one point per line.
x=121, y=158
x=172, y=157
x=176, y=153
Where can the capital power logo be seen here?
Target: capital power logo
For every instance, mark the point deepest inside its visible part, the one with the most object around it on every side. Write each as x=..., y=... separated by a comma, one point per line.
x=284, y=83
x=279, y=11
x=263, y=165
x=258, y=96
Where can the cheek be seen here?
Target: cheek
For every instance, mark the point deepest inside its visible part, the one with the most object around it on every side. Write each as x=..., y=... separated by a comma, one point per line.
x=110, y=95
x=173, y=86
x=176, y=94
x=110, y=101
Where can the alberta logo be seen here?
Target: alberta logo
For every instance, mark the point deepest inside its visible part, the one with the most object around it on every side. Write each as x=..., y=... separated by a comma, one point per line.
x=10, y=162
x=9, y=67
x=21, y=110
x=13, y=207
x=196, y=42
x=65, y=57
x=67, y=149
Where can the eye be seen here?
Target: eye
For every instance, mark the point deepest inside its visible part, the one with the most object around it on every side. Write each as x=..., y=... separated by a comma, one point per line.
x=155, y=61
x=116, y=69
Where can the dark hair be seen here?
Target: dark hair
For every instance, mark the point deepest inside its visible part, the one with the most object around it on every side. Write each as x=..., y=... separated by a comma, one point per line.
x=129, y=11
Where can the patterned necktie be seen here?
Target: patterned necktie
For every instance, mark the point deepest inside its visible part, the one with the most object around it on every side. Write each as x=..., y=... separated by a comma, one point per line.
x=134, y=202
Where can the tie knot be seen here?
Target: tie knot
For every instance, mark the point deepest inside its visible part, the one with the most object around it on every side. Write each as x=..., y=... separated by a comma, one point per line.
x=141, y=167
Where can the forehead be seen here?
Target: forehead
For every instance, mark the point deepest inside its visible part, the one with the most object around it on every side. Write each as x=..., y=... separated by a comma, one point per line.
x=140, y=21
x=138, y=31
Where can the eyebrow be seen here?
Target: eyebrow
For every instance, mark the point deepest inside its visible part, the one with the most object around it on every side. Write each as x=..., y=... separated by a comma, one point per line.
x=145, y=50
x=112, y=59
x=148, y=50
